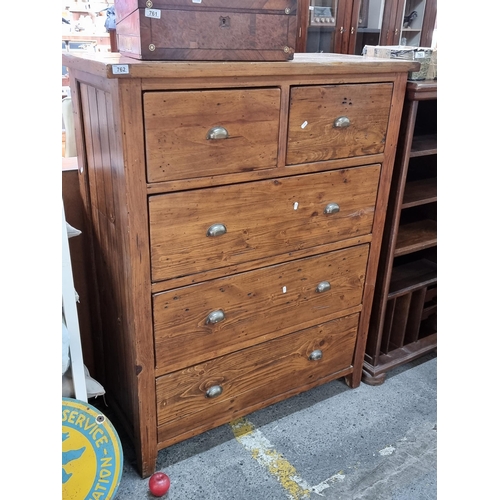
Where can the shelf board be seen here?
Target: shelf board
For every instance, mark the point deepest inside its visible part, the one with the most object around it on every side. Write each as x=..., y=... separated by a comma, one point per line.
x=409, y=277
x=401, y=356
x=420, y=192
x=423, y=145
x=429, y=311
x=416, y=236
x=322, y=27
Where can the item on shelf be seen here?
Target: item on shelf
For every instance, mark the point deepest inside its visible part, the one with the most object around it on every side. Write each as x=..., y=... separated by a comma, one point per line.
x=423, y=55
x=432, y=70
x=409, y=19
x=322, y=16
x=212, y=30
x=110, y=23
x=363, y=14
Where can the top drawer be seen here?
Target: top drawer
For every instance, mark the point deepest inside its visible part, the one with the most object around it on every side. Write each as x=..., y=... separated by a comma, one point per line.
x=337, y=121
x=200, y=134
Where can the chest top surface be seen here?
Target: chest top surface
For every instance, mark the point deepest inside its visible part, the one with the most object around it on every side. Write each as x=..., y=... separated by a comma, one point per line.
x=114, y=65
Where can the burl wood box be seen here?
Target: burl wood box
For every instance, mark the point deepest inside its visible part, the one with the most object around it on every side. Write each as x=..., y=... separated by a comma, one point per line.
x=206, y=30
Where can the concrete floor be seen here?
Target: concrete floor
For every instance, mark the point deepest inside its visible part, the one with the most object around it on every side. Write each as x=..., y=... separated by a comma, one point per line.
x=332, y=442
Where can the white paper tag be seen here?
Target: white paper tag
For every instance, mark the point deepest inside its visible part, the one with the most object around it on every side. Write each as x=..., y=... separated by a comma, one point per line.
x=120, y=69
x=196, y=1
x=153, y=13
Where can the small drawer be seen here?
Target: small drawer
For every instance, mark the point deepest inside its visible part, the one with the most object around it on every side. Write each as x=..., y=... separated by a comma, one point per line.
x=219, y=227
x=207, y=320
x=254, y=375
x=337, y=121
x=200, y=134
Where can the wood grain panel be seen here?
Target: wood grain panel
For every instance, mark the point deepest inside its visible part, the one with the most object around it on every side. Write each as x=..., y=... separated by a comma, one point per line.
x=109, y=251
x=416, y=236
x=117, y=239
x=177, y=124
x=313, y=111
x=273, y=317
x=241, y=31
x=303, y=69
x=257, y=305
x=258, y=373
x=262, y=219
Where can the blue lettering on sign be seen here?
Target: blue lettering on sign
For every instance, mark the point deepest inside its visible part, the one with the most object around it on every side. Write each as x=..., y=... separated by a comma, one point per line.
x=105, y=444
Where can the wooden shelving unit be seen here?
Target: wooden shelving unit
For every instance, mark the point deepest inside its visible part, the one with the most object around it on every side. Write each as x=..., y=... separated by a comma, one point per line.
x=403, y=323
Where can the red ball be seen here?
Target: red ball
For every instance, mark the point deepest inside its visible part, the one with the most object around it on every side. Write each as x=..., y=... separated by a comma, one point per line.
x=159, y=483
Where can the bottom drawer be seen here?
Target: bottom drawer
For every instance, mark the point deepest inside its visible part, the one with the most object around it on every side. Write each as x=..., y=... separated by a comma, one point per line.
x=215, y=391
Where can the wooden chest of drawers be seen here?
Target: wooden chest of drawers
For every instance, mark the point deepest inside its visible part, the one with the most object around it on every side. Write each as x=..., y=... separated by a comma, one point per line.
x=235, y=211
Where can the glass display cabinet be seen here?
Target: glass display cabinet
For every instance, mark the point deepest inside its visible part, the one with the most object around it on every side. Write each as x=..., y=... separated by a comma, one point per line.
x=346, y=26
x=322, y=20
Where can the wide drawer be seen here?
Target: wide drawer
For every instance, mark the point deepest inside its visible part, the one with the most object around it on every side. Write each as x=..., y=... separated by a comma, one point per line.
x=206, y=391
x=199, y=322
x=258, y=219
x=337, y=121
x=204, y=133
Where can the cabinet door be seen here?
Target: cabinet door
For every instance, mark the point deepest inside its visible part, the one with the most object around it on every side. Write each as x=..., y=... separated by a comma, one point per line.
x=411, y=23
x=366, y=24
x=321, y=25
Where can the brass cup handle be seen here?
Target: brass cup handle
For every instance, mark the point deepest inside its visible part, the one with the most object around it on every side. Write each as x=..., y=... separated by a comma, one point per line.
x=316, y=355
x=341, y=122
x=331, y=208
x=215, y=317
x=214, y=391
x=217, y=133
x=216, y=230
x=324, y=286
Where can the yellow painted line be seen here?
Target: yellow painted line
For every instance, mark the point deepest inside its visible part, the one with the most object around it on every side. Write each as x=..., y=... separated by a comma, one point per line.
x=277, y=465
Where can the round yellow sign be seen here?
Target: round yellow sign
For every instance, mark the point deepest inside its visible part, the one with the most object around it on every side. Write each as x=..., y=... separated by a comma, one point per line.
x=92, y=456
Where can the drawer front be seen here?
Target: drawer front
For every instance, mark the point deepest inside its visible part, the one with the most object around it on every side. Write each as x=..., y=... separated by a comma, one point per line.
x=258, y=219
x=207, y=320
x=198, y=134
x=256, y=374
x=337, y=121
